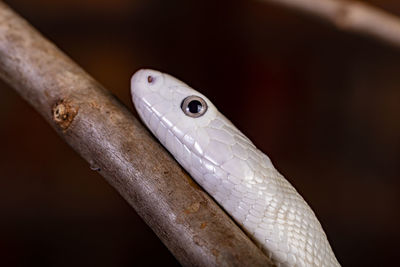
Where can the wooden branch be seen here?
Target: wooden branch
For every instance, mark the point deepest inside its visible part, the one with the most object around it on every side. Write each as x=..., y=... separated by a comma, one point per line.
x=107, y=135
x=352, y=16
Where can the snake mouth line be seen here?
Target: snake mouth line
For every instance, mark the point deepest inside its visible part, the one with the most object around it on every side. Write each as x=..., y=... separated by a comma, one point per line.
x=145, y=106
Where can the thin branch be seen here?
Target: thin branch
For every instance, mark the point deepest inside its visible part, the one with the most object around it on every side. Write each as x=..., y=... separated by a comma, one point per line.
x=352, y=16
x=107, y=135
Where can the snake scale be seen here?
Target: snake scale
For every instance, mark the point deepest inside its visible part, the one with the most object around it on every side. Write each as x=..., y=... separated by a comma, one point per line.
x=232, y=170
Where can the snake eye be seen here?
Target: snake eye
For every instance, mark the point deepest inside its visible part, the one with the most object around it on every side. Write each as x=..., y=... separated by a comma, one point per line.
x=194, y=106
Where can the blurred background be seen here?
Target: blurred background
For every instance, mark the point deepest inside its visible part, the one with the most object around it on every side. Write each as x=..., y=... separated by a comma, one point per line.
x=323, y=104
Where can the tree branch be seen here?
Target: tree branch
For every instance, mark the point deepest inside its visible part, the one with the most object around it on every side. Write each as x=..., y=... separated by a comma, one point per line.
x=107, y=135
x=352, y=16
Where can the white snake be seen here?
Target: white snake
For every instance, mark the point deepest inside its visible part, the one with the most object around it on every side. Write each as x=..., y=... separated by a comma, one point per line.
x=232, y=170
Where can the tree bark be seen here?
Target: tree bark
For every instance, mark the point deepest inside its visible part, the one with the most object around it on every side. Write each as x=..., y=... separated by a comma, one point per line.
x=352, y=16
x=94, y=123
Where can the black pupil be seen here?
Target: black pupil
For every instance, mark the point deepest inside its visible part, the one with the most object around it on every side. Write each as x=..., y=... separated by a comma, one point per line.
x=194, y=106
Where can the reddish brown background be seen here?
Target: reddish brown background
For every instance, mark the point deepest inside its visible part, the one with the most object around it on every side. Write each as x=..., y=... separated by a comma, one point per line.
x=323, y=104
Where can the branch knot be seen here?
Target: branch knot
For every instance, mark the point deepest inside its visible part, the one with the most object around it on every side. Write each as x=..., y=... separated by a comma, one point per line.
x=64, y=113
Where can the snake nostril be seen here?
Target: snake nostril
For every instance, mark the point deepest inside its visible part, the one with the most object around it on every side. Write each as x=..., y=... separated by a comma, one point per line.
x=150, y=79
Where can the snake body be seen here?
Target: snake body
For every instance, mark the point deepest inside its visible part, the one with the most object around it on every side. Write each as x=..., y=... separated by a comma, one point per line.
x=232, y=170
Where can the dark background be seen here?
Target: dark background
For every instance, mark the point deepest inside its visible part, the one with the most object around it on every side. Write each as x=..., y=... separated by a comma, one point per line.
x=323, y=104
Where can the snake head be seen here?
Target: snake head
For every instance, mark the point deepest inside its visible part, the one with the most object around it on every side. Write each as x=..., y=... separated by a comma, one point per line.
x=162, y=99
x=175, y=113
